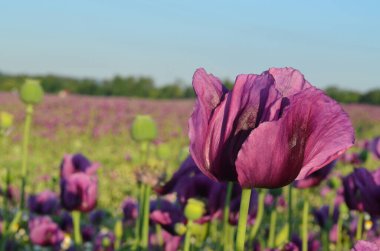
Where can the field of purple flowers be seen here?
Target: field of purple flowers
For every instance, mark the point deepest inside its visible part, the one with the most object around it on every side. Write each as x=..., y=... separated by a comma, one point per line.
x=98, y=173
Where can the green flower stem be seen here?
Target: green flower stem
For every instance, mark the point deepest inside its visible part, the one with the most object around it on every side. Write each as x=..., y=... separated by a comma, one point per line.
x=305, y=219
x=259, y=216
x=359, y=228
x=325, y=239
x=145, y=219
x=141, y=210
x=290, y=216
x=339, y=233
x=272, y=227
x=160, y=240
x=186, y=246
x=25, y=153
x=243, y=216
x=76, y=225
x=226, y=213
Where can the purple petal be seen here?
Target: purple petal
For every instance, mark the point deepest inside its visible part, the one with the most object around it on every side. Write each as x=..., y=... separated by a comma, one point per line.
x=313, y=131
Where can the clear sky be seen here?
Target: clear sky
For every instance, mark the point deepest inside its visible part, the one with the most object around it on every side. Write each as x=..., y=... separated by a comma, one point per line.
x=331, y=42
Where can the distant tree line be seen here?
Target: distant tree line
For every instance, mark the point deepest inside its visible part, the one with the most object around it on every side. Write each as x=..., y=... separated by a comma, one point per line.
x=144, y=87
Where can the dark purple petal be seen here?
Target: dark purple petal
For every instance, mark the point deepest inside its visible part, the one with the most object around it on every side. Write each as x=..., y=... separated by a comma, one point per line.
x=315, y=178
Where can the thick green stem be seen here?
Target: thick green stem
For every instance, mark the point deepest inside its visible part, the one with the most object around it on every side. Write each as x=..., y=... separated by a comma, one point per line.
x=359, y=228
x=243, y=216
x=226, y=213
x=339, y=233
x=259, y=216
x=325, y=239
x=160, y=240
x=272, y=228
x=25, y=153
x=145, y=220
x=290, y=216
x=305, y=219
x=140, y=214
x=186, y=246
x=76, y=225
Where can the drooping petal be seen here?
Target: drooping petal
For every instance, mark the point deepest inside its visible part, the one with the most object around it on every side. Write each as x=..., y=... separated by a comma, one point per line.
x=313, y=131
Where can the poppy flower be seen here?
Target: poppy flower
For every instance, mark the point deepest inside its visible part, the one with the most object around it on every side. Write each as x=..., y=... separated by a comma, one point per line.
x=166, y=214
x=365, y=246
x=130, y=211
x=76, y=163
x=269, y=130
x=105, y=242
x=362, y=191
x=44, y=232
x=46, y=202
x=79, y=192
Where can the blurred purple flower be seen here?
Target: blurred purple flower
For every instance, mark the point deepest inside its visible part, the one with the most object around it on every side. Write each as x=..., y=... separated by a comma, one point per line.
x=365, y=246
x=97, y=216
x=47, y=202
x=44, y=232
x=229, y=130
x=130, y=211
x=88, y=233
x=362, y=191
x=374, y=146
x=315, y=178
x=105, y=242
x=79, y=192
x=167, y=214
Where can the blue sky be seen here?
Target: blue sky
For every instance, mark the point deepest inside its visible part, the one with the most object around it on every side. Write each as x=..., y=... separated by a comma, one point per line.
x=331, y=42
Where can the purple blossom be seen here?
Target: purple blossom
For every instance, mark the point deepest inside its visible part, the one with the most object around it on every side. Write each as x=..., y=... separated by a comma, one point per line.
x=269, y=130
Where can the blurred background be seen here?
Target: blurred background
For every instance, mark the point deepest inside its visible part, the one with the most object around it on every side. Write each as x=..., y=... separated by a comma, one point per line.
x=151, y=49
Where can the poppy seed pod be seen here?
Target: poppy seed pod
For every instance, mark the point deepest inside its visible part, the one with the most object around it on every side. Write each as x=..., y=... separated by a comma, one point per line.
x=194, y=209
x=143, y=128
x=31, y=92
x=268, y=131
x=6, y=120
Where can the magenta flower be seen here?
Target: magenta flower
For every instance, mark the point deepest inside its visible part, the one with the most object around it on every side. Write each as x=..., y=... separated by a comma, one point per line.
x=269, y=130
x=44, y=232
x=365, y=246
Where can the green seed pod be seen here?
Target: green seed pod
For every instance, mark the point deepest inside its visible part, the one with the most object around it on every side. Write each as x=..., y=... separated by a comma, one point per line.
x=194, y=209
x=180, y=228
x=31, y=92
x=6, y=120
x=164, y=151
x=143, y=128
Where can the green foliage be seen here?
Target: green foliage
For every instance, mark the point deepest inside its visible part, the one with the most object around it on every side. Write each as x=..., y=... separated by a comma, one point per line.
x=144, y=87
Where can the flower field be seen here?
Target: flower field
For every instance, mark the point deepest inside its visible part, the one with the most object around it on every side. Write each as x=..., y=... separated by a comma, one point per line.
x=102, y=173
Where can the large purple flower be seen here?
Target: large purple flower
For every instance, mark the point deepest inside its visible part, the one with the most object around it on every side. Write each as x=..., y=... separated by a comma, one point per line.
x=269, y=130
x=44, y=232
x=362, y=191
x=130, y=210
x=46, y=202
